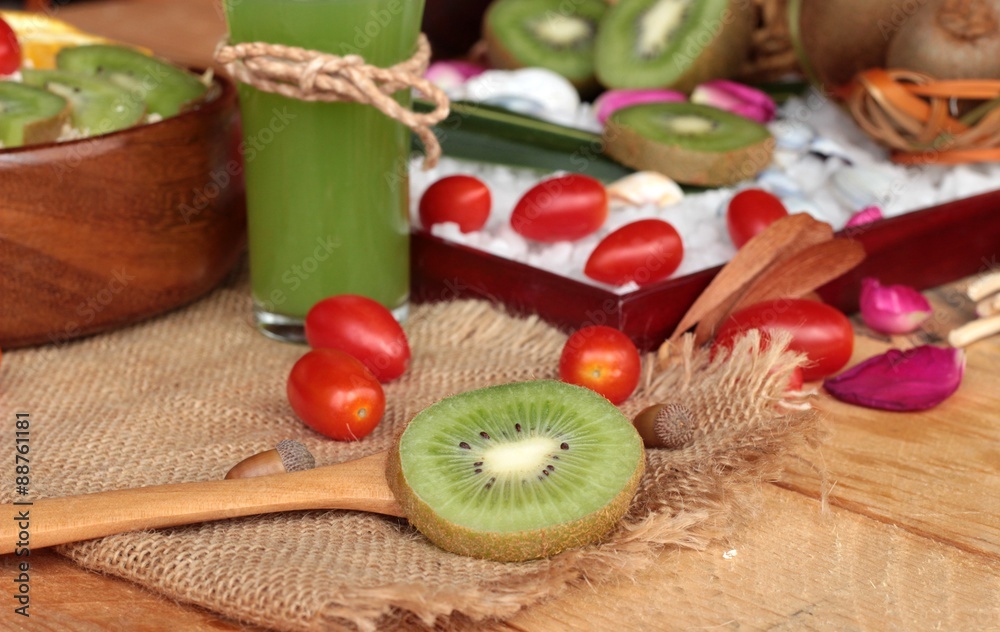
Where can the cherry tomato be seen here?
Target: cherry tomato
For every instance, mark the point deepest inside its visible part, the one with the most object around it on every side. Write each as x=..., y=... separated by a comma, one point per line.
x=564, y=208
x=335, y=395
x=644, y=251
x=363, y=328
x=10, y=50
x=819, y=331
x=750, y=212
x=603, y=359
x=461, y=199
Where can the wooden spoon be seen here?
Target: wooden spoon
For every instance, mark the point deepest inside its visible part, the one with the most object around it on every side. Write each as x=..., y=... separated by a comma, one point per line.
x=775, y=242
x=357, y=485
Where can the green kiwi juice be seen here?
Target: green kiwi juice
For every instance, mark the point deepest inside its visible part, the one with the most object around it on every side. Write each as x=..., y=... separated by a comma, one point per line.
x=327, y=185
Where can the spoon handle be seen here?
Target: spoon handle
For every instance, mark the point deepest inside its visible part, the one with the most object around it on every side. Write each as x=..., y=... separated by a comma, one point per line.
x=356, y=485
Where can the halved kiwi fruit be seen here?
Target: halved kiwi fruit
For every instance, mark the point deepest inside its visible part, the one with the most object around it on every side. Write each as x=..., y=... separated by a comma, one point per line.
x=691, y=143
x=517, y=471
x=552, y=34
x=165, y=88
x=30, y=115
x=672, y=43
x=97, y=106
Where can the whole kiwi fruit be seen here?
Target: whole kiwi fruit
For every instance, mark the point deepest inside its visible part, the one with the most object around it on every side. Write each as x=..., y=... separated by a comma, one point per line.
x=836, y=39
x=950, y=39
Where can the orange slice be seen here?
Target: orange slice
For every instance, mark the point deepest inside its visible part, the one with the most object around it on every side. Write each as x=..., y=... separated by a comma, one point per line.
x=42, y=37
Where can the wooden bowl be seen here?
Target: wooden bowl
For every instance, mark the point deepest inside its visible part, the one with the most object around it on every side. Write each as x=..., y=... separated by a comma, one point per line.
x=102, y=232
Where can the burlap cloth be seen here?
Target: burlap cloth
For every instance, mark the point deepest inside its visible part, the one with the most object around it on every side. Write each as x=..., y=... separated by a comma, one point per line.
x=184, y=396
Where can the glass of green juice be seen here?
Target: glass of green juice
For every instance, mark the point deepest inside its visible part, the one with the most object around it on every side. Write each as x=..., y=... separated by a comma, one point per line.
x=327, y=186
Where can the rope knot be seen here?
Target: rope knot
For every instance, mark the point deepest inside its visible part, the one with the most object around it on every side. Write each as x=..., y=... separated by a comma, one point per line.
x=309, y=75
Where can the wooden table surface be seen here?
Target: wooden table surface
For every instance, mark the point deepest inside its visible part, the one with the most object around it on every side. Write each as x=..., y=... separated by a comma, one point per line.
x=910, y=540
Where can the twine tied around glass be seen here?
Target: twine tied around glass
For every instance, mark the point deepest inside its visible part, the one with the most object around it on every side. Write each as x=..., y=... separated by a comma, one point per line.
x=309, y=75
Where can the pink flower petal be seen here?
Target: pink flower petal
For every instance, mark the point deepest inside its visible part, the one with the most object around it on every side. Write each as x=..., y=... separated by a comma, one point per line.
x=737, y=98
x=892, y=309
x=866, y=215
x=612, y=100
x=451, y=74
x=915, y=379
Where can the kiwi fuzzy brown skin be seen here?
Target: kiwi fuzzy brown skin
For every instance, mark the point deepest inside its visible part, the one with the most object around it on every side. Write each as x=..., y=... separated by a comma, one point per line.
x=519, y=546
x=950, y=40
x=721, y=55
x=683, y=164
x=435, y=499
x=836, y=39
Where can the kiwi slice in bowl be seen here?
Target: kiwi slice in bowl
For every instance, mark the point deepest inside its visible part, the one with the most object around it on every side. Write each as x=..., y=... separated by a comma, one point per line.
x=165, y=88
x=517, y=471
x=96, y=106
x=29, y=115
x=672, y=43
x=691, y=143
x=552, y=34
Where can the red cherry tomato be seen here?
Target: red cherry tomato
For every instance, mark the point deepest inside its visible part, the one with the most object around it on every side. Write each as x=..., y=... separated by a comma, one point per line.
x=644, y=251
x=335, y=395
x=819, y=331
x=602, y=359
x=564, y=208
x=750, y=212
x=461, y=199
x=10, y=50
x=362, y=327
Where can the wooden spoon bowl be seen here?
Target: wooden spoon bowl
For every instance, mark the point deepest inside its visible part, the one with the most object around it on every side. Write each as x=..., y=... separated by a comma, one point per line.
x=105, y=231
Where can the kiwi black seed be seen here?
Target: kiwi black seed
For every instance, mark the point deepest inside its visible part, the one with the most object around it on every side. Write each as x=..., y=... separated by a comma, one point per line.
x=166, y=89
x=517, y=471
x=691, y=143
x=97, y=106
x=553, y=34
x=29, y=115
x=672, y=43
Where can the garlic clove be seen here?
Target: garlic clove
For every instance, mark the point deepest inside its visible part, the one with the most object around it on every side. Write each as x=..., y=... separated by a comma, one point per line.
x=737, y=98
x=910, y=380
x=892, y=309
x=644, y=187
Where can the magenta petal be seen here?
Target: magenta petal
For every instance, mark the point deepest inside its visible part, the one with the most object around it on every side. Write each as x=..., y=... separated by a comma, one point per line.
x=452, y=73
x=915, y=379
x=866, y=215
x=737, y=98
x=892, y=309
x=612, y=100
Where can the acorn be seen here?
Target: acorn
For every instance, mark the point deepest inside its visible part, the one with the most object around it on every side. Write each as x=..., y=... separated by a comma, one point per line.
x=287, y=456
x=668, y=426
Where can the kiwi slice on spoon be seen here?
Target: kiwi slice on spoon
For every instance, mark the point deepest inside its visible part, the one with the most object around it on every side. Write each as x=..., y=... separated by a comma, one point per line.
x=97, y=106
x=691, y=143
x=672, y=43
x=30, y=115
x=517, y=471
x=551, y=34
x=165, y=88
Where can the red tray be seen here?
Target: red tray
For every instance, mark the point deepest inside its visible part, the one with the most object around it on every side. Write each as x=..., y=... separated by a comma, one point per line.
x=922, y=249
